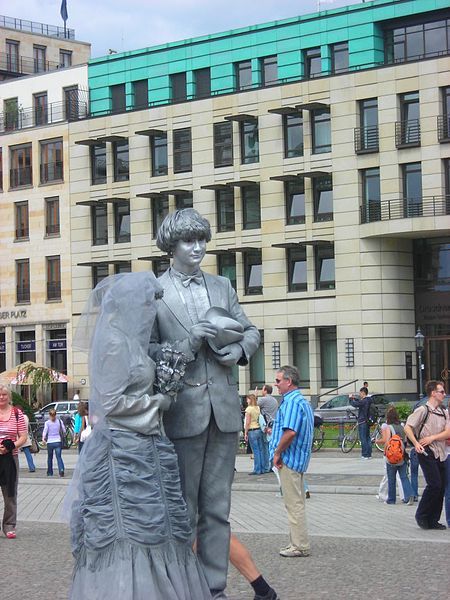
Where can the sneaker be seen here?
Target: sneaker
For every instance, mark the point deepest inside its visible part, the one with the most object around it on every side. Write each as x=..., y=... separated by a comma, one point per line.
x=271, y=595
x=294, y=553
x=422, y=524
x=307, y=495
x=410, y=501
x=61, y=473
x=11, y=535
x=437, y=526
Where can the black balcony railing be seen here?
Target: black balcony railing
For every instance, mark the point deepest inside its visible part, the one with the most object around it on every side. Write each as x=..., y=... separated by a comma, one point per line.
x=19, y=177
x=52, y=229
x=25, y=65
x=54, y=290
x=22, y=233
x=404, y=208
x=38, y=28
x=443, y=127
x=51, y=171
x=407, y=133
x=23, y=118
x=23, y=293
x=366, y=139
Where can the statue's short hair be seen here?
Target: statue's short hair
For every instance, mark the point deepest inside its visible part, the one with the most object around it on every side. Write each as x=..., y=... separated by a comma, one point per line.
x=186, y=224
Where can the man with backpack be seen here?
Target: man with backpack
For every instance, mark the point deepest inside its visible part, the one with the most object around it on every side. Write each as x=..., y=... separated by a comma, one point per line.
x=427, y=428
x=363, y=406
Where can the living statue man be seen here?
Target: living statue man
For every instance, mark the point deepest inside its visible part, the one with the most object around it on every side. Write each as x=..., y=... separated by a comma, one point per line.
x=204, y=421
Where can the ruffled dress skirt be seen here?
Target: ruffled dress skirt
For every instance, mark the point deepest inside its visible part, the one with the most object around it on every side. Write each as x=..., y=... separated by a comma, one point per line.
x=131, y=537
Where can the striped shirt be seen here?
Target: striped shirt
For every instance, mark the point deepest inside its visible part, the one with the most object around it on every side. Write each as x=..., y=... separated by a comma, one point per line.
x=295, y=413
x=12, y=428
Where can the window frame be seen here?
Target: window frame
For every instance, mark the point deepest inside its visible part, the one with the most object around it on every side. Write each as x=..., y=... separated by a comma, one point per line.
x=202, y=83
x=99, y=219
x=321, y=217
x=55, y=149
x=223, y=143
x=294, y=256
x=315, y=122
x=118, y=94
x=310, y=55
x=339, y=48
x=178, y=87
x=225, y=210
x=252, y=258
x=267, y=62
x=331, y=333
x=53, y=267
x=184, y=150
x=246, y=200
x=159, y=210
x=222, y=267
x=23, y=156
x=22, y=220
x=290, y=152
x=158, y=143
x=52, y=217
x=96, y=275
x=23, y=291
x=63, y=55
x=289, y=195
x=120, y=148
x=140, y=92
x=245, y=133
x=40, y=108
x=240, y=67
x=324, y=252
x=94, y=158
x=122, y=216
x=370, y=207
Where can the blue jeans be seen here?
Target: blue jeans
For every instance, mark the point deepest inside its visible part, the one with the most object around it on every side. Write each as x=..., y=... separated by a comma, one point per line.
x=56, y=448
x=391, y=471
x=29, y=457
x=255, y=437
x=364, y=436
x=266, y=459
x=447, y=490
x=414, y=467
x=80, y=446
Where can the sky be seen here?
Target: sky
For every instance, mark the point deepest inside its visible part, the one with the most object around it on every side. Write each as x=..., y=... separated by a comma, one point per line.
x=131, y=24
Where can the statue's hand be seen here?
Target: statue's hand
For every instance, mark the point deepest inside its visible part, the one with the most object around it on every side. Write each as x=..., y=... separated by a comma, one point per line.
x=229, y=355
x=163, y=400
x=202, y=330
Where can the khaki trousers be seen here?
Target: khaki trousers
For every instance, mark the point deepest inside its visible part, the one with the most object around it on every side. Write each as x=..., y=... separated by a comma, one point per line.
x=294, y=499
x=10, y=510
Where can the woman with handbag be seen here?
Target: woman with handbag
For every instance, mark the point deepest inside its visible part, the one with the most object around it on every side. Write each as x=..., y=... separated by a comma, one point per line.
x=80, y=425
x=26, y=448
x=53, y=434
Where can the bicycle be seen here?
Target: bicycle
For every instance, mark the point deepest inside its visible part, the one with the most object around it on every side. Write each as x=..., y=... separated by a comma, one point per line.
x=352, y=437
x=318, y=434
x=37, y=429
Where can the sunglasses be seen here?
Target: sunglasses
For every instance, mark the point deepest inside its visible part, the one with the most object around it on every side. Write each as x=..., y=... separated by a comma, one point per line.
x=440, y=391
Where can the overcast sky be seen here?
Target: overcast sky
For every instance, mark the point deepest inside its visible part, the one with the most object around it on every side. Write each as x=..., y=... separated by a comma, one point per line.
x=131, y=24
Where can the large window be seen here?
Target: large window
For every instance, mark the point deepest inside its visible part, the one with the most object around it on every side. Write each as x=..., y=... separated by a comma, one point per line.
x=26, y=346
x=297, y=269
x=52, y=223
x=371, y=196
x=226, y=266
x=12, y=56
x=324, y=263
x=202, y=82
x=251, y=207
x=40, y=108
x=269, y=70
x=51, y=161
x=184, y=200
x=412, y=189
x=328, y=356
x=11, y=115
x=65, y=58
x=53, y=278
x=408, y=129
x=178, y=87
x=313, y=62
x=339, y=57
x=323, y=198
x=223, y=144
x=118, y=98
x=414, y=42
x=249, y=141
x=22, y=220
x=321, y=131
x=121, y=222
x=23, y=280
x=225, y=209
x=98, y=164
x=366, y=137
x=122, y=267
x=20, y=166
x=40, y=61
x=293, y=135
x=158, y=145
x=71, y=103
x=256, y=365
x=182, y=150
x=99, y=219
x=160, y=209
x=300, y=354
x=295, y=201
x=121, y=160
x=253, y=276
x=99, y=272
x=444, y=118
x=243, y=75
x=140, y=93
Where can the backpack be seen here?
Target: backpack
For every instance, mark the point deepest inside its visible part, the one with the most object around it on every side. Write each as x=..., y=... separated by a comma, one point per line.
x=372, y=414
x=394, y=450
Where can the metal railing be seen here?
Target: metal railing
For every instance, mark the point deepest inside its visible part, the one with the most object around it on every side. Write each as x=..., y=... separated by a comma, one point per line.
x=407, y=133
x=443, y=127
x=25, y=65
x=20, y=176
x=38, y=28
x=404, y=208
x=23, y=293
x=52, y=171
x=54, y=290
x=366, y=139
x=24, y=118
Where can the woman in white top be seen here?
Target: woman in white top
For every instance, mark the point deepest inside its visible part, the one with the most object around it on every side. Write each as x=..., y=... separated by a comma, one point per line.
x=54, y=429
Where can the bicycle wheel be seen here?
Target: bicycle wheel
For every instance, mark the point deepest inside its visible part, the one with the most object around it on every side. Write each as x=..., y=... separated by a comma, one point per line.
x=375, y=435
x=349, y=441
x=318, y=438
x=69, y=437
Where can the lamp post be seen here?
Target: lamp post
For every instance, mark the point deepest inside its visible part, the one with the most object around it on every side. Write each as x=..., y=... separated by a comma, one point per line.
x=419, y=339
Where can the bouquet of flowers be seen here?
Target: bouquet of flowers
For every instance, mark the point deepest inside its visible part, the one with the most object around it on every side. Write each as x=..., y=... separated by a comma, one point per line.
x=170, y=371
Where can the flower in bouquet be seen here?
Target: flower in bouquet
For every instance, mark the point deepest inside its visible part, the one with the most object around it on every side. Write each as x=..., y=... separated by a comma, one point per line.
x=170, y=371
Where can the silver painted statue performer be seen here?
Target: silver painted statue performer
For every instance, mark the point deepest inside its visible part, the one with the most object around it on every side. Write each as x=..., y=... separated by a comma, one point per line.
x=131, y=536
x=200, y=316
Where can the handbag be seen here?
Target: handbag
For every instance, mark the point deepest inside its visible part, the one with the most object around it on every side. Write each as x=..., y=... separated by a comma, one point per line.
x=86, y=432
x=63, y=437
x=34, y=448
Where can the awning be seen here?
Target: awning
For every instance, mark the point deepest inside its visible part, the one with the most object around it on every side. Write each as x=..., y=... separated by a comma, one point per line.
x=215, y=186
x=151, y=132
x=242, y=183
x=240, y=118
x=285, y=110
x=219, y=251
x=111, y=200
x=303, y=243
x=101, y=140
x=155, y=257
x=293, y=177
x=312, y=106
x=97, y=263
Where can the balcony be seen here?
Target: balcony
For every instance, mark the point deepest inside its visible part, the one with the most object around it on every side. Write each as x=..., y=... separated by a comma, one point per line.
x=52, y=172
x=443, y=127
x=54, y=290
x=16, y=66
x=407, y=133
x=23, y=293
x=20, y=177
x=37, y=28
x=366, y=139
x=405, y=208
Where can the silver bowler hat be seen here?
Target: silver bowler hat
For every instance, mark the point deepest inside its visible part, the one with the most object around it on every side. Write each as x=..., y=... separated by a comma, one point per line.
x=229, y=330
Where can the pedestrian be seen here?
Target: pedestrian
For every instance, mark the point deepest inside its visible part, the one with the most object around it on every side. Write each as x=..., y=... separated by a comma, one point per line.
x=428, y=427
x=54, y=430
x=363, y=406
x=80, y=423
x=268, y=406
x=242, y=560
x=76, y=396
x=26, y=447
x=447, y=483
x=254, y=435
x=13, y=434
x=290, y=448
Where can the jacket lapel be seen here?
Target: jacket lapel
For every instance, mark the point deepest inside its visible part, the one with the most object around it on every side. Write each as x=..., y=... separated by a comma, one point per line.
x=173, y=301
x=216, y=291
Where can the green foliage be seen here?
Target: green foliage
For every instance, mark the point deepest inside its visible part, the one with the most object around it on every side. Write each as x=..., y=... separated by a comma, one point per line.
x=36, y=377
x=403, y=409
x=17, y=400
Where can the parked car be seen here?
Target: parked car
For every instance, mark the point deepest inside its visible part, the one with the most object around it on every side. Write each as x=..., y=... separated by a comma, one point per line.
x=338, y=407
x=64, y=410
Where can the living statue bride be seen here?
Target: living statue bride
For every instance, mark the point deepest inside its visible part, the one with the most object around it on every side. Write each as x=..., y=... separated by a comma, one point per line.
x=129, y=523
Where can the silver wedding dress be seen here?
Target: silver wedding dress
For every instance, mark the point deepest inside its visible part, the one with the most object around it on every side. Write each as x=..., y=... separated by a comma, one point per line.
x=129, y=522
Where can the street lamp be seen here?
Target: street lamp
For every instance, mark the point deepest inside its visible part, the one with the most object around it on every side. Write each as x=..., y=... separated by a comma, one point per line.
x=419, y=338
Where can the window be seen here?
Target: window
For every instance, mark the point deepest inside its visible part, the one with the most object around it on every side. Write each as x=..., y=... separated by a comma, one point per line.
x=412, y=189
x=160, y=266
x=321, y=131
x=178, y=87
x=26, y=346
x=51, y=161
x=12, y=56
x=313, y=62
x=52, y=224
x=40, y=108
x=158, y=147
x=71, y=103
x=324, y=262
x=99, y=220
x=57, y=359
x=121, y=160
x=160, y=209
x=99, y=272
x=249, y=142
x=98, y=163
x=323, y=198
x=122, y=267
x=184, y=201
x=269, y=70
x=251, y=207
x=140, y=93
x=447, y=183
x=225, y=209
x=294, y=192
x=293, y=135
x=118, y=98
x=226, y=267
x=371, y=196
x=223, y=144
x=121, y=222
x=22, y=220
x=65, y=58
x=444, y=120
x=415, y=42
x=202, y=82
x=300, y=354
x=20, y=166
x=256, y=365
x=339, y=57
x=243, y=75
x=366, y=137
x=11, y=114
x=53, y=278
x=297, y=269
x=182, y=150
x=328, y=356
x=253, y=272
x=407, y=132
x=39, y=55
x=23, y=280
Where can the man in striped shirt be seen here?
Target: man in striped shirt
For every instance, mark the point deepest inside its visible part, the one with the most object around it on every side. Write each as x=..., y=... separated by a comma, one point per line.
x=290, y=448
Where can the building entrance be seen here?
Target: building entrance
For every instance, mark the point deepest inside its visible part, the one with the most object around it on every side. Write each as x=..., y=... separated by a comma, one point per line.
x=437, y=359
